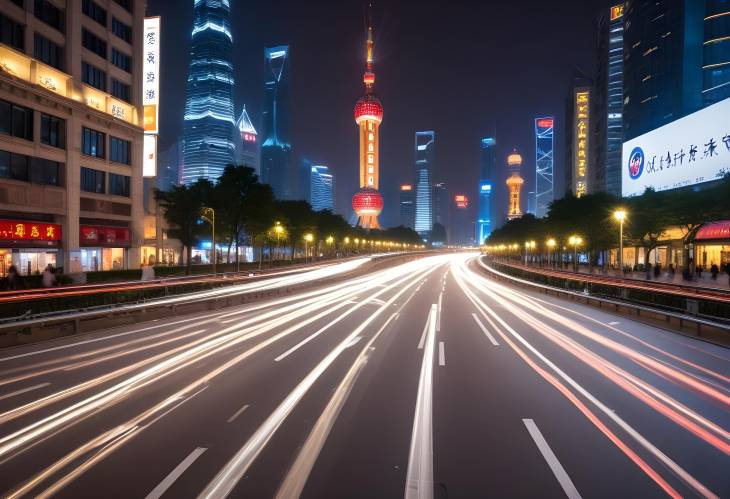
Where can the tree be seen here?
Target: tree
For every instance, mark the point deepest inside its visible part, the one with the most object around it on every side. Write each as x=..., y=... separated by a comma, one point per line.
x=259, y=214
x=233, y=188
x=298, y=218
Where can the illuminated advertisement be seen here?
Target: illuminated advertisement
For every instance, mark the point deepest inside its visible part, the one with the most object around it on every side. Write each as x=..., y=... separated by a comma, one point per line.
x=581, y=143
x=485, y=187
x=617, y=11
x=14, y=230
x=688, y=151
x=149, y=161
x=151, y=74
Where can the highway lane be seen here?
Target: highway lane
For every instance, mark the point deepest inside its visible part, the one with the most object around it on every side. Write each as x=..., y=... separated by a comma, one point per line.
x=423, y=380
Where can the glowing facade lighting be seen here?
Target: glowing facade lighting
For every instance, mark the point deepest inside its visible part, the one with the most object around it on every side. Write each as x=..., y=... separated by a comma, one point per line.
x=488, y=165
x=581, y=141
x=425, y=143
x=514, y=185
x=543, y=165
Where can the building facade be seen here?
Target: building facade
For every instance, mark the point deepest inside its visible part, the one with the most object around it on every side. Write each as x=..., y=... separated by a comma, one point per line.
x=578, y=155
x=321, y=188
x=514, y=185
x=276, y=150
x=407, y=205
x=440, y=211
x=608, y=102
x=247, y=150
x=485, y=199
x=544, y=164
x=462, y=230
x=425, y=157
x=209, y=143
x=71, y=137
x=716, y=52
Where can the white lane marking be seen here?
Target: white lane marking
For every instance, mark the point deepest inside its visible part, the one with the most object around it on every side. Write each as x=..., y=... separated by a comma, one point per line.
x=425, y=330
x=183, y=401
x=354, y=341
x=442, y=354
x=438, y=313
x=614, y=323
x=485, y=330
x=23, y=390
x=175, y=474
x=237, y=413
x=419, y=478
x=376, y=301
x=552, y=461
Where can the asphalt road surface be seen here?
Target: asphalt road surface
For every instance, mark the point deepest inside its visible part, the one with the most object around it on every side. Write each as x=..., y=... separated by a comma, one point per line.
x=423, y=380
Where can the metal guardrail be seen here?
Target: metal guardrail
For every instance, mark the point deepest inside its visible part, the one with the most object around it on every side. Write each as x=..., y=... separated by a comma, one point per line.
x=699, y=327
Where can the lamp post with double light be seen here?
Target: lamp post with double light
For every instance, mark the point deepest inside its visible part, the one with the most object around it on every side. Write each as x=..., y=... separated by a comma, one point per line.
x=550, y=246
x=575, y=241
x=620, y=216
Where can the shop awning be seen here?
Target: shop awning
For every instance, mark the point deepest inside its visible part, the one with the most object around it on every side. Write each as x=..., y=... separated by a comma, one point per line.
x=714, y=230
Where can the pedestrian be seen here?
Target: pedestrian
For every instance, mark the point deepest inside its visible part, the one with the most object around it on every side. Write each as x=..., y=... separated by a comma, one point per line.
x=714, y=271
x=13, y=277
x=49, y=278
x=699, y=270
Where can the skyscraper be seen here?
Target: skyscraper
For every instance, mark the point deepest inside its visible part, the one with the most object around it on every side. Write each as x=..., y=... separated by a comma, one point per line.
x=440, y=213
x=462, y=230
x=578, y=157
x=247, y=151
x=544, y=193
x=208, y=132
x=488, y=161
x=424, y=158
x=514, y=185
x=321, y=188
x=276, y=154
x=407, y=206
x=608, y=102
x=368, y=202
x=716, y=62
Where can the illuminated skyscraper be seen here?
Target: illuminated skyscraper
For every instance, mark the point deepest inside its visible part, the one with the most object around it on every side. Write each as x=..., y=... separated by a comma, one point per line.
x=321, y=188
x=368, y=202
x=514, y=185
x=247, y=151
x=276, y=157
x=578, y=157
x=407, y=205
x=208, y=134
x=543, y=165
x=424, y=158
x=461, y=230
x=488, y=160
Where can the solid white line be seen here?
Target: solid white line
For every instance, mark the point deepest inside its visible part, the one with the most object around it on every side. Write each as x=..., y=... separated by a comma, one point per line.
x=419, y=478
x=23, y=390
x=442, y=354
x=438, y=313
x=425, y=330
x=175, y=474
x=485, y=330
x=237, y=413
x=354, y=341
x=552, y=461
x=614, y=323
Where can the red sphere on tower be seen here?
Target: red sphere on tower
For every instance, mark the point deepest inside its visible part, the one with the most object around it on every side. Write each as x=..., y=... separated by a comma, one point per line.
x=367, y=202
x=368, y=107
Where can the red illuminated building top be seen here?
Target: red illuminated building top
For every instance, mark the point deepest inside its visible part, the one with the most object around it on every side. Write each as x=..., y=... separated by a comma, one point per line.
x=369, y=107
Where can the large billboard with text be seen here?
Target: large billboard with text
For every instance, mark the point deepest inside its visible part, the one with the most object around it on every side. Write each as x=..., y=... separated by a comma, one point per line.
x=151, y=74
x=688, y=151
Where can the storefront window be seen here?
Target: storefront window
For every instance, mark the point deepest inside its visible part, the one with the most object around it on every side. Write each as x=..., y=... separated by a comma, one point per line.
x=29, y=261
x=95, y=259
x=6, y=260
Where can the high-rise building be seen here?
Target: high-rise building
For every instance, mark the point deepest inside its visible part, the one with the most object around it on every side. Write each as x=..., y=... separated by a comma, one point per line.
x=209, y=125
x=407, y=206
x=514, y=185
x=578, y=157
x=608, y=103
x=440, y=210
x=247, y=152
x=716, y=52
x=321, y=188
x=544, y=163
x=462, y=230
x=276, y=149
x=168, y=166
x=367, y=203
x=488, y=164
x=425, y=145
x=663, y=59
x=71, y=135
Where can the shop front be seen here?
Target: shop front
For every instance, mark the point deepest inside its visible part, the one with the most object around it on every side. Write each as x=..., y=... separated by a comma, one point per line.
x=712, y=244
x=104, y=247
x=29, y=246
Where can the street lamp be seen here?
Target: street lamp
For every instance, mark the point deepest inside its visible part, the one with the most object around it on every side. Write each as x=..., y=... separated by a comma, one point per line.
x=279, y=231
x=575, y=241
x=308, y=238
x=550, y=246
x=208, y=214
x=620, y=215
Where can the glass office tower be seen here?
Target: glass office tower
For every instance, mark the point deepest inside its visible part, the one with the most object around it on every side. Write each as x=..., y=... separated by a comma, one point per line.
x=208, y=132
x=488, y=161
x=716, y=56
x=276, y=146
x=544, y=163
x=424, y=159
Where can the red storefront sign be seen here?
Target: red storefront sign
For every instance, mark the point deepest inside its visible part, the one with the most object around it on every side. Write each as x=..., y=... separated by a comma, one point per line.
x=15, y=230
x=714, y=230
x=91, y=235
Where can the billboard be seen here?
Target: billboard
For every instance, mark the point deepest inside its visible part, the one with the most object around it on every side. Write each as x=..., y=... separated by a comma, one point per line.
x=151, y=74
x=581, y=144
x=688, y=151
x=149, y=161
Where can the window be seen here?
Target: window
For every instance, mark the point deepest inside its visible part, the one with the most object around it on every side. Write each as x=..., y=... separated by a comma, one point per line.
x=94, y=11
x=93, y=43
x=93, y=180
x=121, y=90
x=16, y=120
x=121, y=30
x=119, y=185
x=120, y=150
x=127, y=4
x=93, y=76
x=47, y=51
x=92, y=143
x=53, y=131
x=13, y=166
x=45, y=171
x=12, y=33
x=121, y=60
x=49, y=14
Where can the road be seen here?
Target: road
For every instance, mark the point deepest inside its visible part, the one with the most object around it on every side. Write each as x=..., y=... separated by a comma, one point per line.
x=422, y=380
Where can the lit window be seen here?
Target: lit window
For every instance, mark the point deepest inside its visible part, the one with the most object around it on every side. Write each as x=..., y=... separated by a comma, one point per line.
x=371, y=159
x=371, y=147
x=371, y=127
x=371, y=169
x=371, y=181
x=371, y=137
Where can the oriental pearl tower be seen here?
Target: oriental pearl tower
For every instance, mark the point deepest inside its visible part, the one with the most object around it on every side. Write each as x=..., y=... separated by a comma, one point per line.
x=368, y=202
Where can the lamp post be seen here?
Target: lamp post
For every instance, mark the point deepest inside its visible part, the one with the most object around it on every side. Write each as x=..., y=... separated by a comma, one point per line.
x=208, y=214
x=620, y=215
x=279, y=230
x=575, y=241
x=308, y=238
x=550, y=246
x=330, y=240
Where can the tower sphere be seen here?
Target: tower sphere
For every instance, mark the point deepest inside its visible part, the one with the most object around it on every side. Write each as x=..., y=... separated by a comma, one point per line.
x=368, y=107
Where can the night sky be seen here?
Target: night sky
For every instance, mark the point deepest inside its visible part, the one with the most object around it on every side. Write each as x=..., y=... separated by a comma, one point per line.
x=461, y=68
